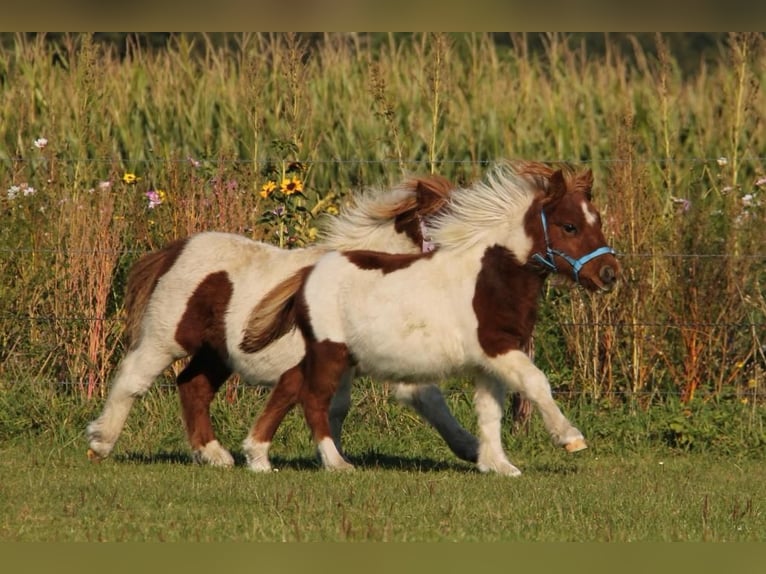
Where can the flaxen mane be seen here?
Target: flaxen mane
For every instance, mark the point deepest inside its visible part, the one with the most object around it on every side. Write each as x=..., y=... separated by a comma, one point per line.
x=498, y=204
x=415, y=197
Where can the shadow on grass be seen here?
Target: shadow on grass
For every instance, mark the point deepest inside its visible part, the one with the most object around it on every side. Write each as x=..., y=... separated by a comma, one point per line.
x=162, y=457
x=366, y=460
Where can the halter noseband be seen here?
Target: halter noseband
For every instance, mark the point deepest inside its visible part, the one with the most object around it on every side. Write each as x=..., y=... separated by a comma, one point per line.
x=548, y=262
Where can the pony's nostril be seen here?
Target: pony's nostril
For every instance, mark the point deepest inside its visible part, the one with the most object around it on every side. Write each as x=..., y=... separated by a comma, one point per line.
x=607, y=274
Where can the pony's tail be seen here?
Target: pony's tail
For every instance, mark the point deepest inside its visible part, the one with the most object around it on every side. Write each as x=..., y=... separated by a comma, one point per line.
x=142, y=280
x=275, y=315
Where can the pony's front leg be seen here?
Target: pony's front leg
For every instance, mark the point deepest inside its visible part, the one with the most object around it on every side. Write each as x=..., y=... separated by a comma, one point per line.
x=135, y=375
x=325, y=364
x=428, y=401
x=284, y=396
x=521, y=375
x=489, y=400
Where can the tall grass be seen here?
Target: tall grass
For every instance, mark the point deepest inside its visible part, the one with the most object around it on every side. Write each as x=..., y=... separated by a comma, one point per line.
x=677, y=160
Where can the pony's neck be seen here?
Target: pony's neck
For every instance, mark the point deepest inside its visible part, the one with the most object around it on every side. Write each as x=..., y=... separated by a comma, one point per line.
x=505, y=301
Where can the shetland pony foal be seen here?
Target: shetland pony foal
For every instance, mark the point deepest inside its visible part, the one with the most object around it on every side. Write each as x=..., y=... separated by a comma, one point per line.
x=195, y=297
x=470, y=305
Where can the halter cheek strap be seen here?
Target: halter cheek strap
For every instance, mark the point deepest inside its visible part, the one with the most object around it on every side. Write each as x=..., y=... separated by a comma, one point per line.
x=549, y=263
x=427, y=245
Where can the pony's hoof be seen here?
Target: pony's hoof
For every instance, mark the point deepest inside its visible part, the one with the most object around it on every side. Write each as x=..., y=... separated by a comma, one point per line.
x=502, y=467
x=576, y=445
x=213, y=454
x=93, y=456
x=345, y=467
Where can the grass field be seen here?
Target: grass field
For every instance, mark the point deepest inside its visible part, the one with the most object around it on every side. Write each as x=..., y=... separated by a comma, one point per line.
x=632, y=484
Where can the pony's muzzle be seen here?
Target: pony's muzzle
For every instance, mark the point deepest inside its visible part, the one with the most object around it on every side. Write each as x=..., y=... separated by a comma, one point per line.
x=608, y=276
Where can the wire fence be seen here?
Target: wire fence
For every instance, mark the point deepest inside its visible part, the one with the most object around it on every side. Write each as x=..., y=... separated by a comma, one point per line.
x=757, y=326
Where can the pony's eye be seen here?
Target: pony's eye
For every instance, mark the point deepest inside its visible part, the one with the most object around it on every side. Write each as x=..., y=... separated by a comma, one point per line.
x=569, y=228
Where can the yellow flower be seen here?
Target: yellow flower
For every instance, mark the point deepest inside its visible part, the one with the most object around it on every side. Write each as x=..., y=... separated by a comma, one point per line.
x=332, y=210
x=267, y=188
x=130, y=178
x=291, y=186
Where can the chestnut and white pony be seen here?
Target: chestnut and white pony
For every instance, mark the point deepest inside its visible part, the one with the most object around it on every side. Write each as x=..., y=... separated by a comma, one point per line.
x=195, y=298
x=469, y=306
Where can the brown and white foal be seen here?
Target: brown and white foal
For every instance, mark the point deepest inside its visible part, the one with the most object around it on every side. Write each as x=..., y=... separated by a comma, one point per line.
x=469, y=306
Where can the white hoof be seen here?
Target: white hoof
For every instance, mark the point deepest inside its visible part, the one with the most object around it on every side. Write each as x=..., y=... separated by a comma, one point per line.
x=331, y=457
x=343, y=466
x=501, y=467
x=257, y=455
x=98, y=447
x=213, y=454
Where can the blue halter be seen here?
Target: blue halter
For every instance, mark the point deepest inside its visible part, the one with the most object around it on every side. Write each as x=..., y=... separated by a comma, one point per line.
x=548, y=262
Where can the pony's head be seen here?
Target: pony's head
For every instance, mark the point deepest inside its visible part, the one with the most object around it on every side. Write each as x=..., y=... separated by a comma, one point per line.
x=565, y=228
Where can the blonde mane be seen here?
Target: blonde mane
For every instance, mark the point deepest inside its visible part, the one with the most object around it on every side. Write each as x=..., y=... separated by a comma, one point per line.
x=489, y=208
x=361, y=224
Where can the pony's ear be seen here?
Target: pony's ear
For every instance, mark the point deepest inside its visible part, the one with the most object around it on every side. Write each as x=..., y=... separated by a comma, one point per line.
x=557, y=187
x=432, y=193
x=585, y=181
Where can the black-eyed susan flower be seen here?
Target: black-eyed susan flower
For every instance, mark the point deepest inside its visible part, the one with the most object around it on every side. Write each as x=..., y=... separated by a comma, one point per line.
x=291, y=185
x=129, y=178
x=267, y=188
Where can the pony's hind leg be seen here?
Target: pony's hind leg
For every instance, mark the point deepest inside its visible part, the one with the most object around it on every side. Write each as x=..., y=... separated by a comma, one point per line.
x=136, y=373
x=324, y=365
x=197, y=386
x=339, y=407
x=489, y=400
x=523, y=376
x=428, y=401
x=284, y=396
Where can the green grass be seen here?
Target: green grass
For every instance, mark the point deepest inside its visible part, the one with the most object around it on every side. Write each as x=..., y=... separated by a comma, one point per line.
x=407, y=486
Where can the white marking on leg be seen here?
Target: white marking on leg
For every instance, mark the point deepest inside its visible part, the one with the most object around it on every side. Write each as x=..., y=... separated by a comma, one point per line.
x=489, y=399
x=257, y=455
x=135, y=375
x=331, y=458
x=522, y=375
x=214, y=454
x=590, y=216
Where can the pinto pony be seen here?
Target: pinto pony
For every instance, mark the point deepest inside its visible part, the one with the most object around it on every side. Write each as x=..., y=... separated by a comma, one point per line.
x=196, y=298
x=471, y=305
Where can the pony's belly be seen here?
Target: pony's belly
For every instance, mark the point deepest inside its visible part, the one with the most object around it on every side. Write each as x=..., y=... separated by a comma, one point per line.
x=266, y=366
x=407, y=355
